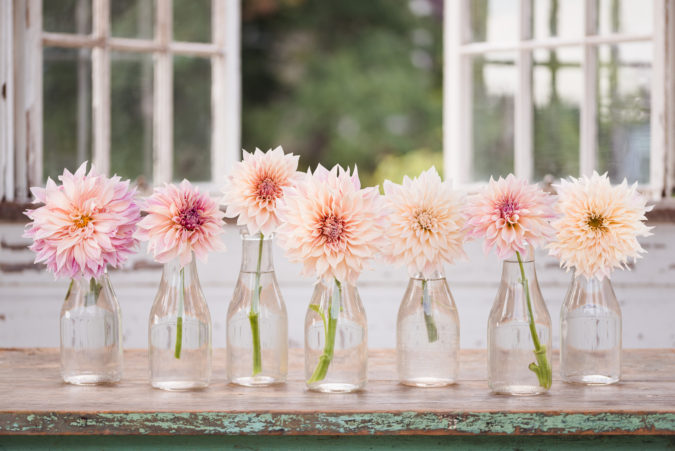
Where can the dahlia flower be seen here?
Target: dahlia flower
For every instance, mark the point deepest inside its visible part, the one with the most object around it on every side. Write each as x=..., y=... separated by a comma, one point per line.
x=598, y=225
x=426, y=223
x=331, y=225
x=180, y=221
x=85, y=224
x=510, y=215
x=255, y=186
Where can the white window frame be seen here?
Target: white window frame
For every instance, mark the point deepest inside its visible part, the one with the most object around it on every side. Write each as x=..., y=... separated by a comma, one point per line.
x=457, y=117
x=21, y=43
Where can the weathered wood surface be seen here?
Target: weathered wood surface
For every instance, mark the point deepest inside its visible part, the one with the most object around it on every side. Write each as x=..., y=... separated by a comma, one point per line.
x=33, y=400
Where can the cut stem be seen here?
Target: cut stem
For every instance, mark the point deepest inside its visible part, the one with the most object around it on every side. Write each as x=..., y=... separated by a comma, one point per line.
x=253, y=314
x=179, y=321
x=329, y=332
x=432, y=331
x=542, y=368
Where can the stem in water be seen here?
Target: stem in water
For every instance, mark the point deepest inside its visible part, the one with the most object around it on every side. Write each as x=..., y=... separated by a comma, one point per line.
x=432, y=331
x=329, y=332
x=179, y=321
x=253, y=314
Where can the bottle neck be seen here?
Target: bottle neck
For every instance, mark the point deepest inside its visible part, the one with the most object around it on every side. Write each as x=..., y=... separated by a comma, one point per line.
x=256, y=253
x=171, y=274
x=435, y=275
x=84, y=291
x=513, y=271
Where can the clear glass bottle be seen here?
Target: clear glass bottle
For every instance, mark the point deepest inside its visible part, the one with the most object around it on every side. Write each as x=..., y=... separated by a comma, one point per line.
x=519, y=332
x=427, y=333
x=179, y=335
x=336, y=339
x=91, y=333
x=257, y=322
x=590, y=349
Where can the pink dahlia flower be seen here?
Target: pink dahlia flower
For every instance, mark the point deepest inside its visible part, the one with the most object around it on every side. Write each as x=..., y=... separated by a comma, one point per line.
x=85, y=224
x=256, y=185
x=181, y=220
x=426, y=226
x=510, y=214
x=331, y=225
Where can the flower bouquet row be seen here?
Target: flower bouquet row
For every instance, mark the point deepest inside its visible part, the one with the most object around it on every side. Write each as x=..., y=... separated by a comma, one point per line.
x=325, y=220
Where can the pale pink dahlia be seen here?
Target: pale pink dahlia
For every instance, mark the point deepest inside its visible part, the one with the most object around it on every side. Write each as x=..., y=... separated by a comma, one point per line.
x=598, y=226
x=510, y=214
x=331, y=225
x=85, y=224
x=426, y=223
x=181, y=220
x=255, y=186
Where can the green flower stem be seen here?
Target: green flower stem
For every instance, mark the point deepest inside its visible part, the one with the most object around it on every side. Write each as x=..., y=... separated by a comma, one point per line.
x=329, y=331
x=179, y=321
x=253, y=314
x=542, y=368
x=432, y=331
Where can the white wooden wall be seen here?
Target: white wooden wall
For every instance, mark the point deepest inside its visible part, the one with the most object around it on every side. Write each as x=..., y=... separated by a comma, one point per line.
x=30, y=299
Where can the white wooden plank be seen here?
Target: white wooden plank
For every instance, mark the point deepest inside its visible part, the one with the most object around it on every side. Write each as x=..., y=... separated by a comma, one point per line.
x=589, y=109
x=524, y=155
x=6, y=100
x=225, y=89
x=100, y=66
x=163, y=97
x=33, y=93
x=20, y=187
x=669, y=94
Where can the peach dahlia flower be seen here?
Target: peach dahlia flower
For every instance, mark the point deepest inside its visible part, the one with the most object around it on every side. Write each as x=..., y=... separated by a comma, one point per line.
x=181, y=220
x=255, y=186
x=85, y=224
x=599, y=224
x=510, y=215
x=331, y=225
x=426, y=223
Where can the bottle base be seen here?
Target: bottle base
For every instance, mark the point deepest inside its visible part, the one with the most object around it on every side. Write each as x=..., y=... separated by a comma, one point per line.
x=256, y=381
x=179, y=385
x=591, y=379
x=519, y=390
x=91, y=379
x=427, y=382
x=335, y=387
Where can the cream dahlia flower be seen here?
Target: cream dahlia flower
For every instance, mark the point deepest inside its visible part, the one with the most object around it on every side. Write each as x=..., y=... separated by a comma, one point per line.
x=331, y=225
x=598, y=226
x=426, y=223
x=510, y=215
x=255, y=186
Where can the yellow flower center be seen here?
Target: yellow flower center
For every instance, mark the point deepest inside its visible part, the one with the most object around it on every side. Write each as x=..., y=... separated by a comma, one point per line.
x=82, y=221
x=596, y=222
x=425, y=220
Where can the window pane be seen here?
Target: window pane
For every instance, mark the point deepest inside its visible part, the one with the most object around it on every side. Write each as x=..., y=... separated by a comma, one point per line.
x=557, y=87
x=494, y=84
x=561, y=18
x=131, y=116
x=67, y=16
x=66, y=109
x=624, y=111
x=132, y=18
x=191, y=118
x=494, y=20
x=369, y=95
x=625, y=16
x=192, y=20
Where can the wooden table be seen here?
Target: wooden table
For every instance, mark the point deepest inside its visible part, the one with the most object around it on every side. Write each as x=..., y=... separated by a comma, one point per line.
x=37, y=408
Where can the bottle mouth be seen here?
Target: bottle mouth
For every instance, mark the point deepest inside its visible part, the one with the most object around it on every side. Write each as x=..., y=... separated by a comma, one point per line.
x=245, y=235
x=523, y=258
x=436, y=275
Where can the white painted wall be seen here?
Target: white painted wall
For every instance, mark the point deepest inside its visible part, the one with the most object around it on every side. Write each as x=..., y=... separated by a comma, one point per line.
x=30, y=300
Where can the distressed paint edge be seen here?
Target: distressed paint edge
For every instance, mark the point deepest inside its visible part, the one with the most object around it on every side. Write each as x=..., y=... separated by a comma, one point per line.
x=377, y=423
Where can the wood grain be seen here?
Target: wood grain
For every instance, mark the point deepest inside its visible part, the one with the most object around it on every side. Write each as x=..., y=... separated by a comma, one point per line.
x=33, y=400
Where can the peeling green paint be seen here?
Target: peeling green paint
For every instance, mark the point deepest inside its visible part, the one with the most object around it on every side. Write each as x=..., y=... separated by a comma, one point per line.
x=310, y=423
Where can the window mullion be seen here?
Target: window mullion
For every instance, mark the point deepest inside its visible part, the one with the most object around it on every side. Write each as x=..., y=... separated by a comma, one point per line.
x=163, y=96
x=659, y=95
x=100, y=67
x=523, y=158
x=6, y=100
x=457, y=91
x=225, y=89
x=589, y=109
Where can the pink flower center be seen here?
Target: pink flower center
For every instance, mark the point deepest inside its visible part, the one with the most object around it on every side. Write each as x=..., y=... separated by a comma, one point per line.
x=332, y=228
x=424, y=220
x=508, y=211
x=82, y=221
x=190, y=218
x=268, y=189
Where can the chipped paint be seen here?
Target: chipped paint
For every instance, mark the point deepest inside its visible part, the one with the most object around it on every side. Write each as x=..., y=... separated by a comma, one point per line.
x=377, y=423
